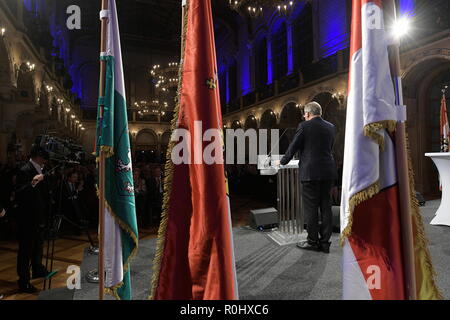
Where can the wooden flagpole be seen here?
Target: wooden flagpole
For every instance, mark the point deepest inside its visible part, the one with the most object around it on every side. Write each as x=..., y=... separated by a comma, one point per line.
x=402, y=166
x=101, y=187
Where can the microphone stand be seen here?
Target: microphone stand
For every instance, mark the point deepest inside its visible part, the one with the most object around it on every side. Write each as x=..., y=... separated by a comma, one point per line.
x=54, y=223
x=269, y=155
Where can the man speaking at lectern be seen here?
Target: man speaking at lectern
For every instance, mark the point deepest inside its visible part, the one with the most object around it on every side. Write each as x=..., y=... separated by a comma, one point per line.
x=314, y=141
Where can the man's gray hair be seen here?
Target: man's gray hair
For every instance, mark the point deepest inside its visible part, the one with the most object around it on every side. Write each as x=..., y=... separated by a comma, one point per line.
x=313, y=108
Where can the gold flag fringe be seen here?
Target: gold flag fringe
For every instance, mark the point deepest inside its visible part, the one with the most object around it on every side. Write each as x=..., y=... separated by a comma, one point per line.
x=355, y=200
x=169, y=168
x=370, y=130
x=113, y=290
x=420, y=240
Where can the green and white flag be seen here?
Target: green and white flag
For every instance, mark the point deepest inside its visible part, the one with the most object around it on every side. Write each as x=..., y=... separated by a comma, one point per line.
x=120, y=239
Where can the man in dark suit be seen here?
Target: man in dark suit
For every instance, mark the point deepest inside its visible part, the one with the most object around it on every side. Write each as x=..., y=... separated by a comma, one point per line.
x=33, y=199
x=314, y=141
x=72, y=207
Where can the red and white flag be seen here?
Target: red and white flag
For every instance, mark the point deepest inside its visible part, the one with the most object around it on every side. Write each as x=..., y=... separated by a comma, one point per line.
x=445, y=128
x=371, y=232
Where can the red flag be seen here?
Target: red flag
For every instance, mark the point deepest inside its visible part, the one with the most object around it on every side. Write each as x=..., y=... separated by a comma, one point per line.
x=195, y=258
x=445, y=128
x=371, y=226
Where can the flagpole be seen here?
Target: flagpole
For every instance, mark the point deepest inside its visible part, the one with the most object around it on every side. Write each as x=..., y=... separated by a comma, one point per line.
x=402, y=168
x=101, y=186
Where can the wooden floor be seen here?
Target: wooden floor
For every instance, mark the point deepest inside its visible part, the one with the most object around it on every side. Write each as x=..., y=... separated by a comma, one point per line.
x=69, y=251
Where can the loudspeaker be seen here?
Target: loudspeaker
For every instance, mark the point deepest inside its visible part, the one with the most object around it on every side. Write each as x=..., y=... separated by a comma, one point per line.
x=264, y=218
x=420, y=199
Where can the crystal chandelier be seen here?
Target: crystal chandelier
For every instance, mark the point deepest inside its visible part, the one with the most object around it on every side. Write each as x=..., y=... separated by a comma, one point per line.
x=285, y=9
x=151, y=108
x=165, y=78
x=255, y=8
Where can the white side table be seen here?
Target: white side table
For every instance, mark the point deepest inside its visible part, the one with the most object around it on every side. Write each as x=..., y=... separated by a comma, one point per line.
x=442, y=162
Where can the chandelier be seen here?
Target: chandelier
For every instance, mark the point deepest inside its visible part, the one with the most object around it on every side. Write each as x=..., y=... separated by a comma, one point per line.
x=285, y=9
x=151, y=108
x=255, y=8
x=165, y=78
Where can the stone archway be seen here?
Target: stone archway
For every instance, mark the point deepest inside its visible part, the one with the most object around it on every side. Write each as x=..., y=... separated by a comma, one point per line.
x=251, y=123
x=6, y=71
x=236, y=124
x=421, y=90
x=268, y=122
x=146, y=146
x=44, y=104
x=25, y=131
x=25, y=85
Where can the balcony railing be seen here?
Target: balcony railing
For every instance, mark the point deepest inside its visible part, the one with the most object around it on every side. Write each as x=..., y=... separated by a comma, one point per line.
x=289, y=82
x=315, y=71
x=234, y=105
x=266, y=92
x=249, y=99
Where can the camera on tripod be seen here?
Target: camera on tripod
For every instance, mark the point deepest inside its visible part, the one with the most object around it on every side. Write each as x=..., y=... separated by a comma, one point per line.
x=61, y=150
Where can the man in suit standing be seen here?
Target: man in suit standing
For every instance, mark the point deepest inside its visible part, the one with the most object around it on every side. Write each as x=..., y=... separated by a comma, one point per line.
x=314, y=141
x=72, y=207
x=34, y=200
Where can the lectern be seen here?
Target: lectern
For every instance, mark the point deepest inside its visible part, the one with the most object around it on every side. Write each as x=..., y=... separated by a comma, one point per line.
x=290, y=209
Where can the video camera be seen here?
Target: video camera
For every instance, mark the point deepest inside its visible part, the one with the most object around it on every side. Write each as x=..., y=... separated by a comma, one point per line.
x=61, y=149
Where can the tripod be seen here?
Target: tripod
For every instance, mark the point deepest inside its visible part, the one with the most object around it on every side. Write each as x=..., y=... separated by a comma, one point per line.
x=55, y=220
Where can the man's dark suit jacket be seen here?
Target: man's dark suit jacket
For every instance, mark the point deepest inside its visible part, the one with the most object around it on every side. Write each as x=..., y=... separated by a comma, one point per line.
x=33, y=201
x=313, y=141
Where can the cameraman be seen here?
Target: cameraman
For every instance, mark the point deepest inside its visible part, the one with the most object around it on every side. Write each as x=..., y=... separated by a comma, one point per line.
x=33, y=200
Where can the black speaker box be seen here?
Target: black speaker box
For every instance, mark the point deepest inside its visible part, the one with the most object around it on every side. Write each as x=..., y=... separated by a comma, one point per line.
x=264, y=218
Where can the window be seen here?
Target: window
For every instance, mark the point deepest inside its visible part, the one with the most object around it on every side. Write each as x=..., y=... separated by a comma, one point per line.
x=279, y=52
x=261, y=63
x=303, y=38
x=232, y=81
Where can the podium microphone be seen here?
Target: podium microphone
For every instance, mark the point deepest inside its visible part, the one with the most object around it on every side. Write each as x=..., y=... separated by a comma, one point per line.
x=269, y=155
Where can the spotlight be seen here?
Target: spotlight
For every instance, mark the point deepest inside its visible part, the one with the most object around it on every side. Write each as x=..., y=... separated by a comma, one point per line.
x=401, y=27
x=2, y=31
